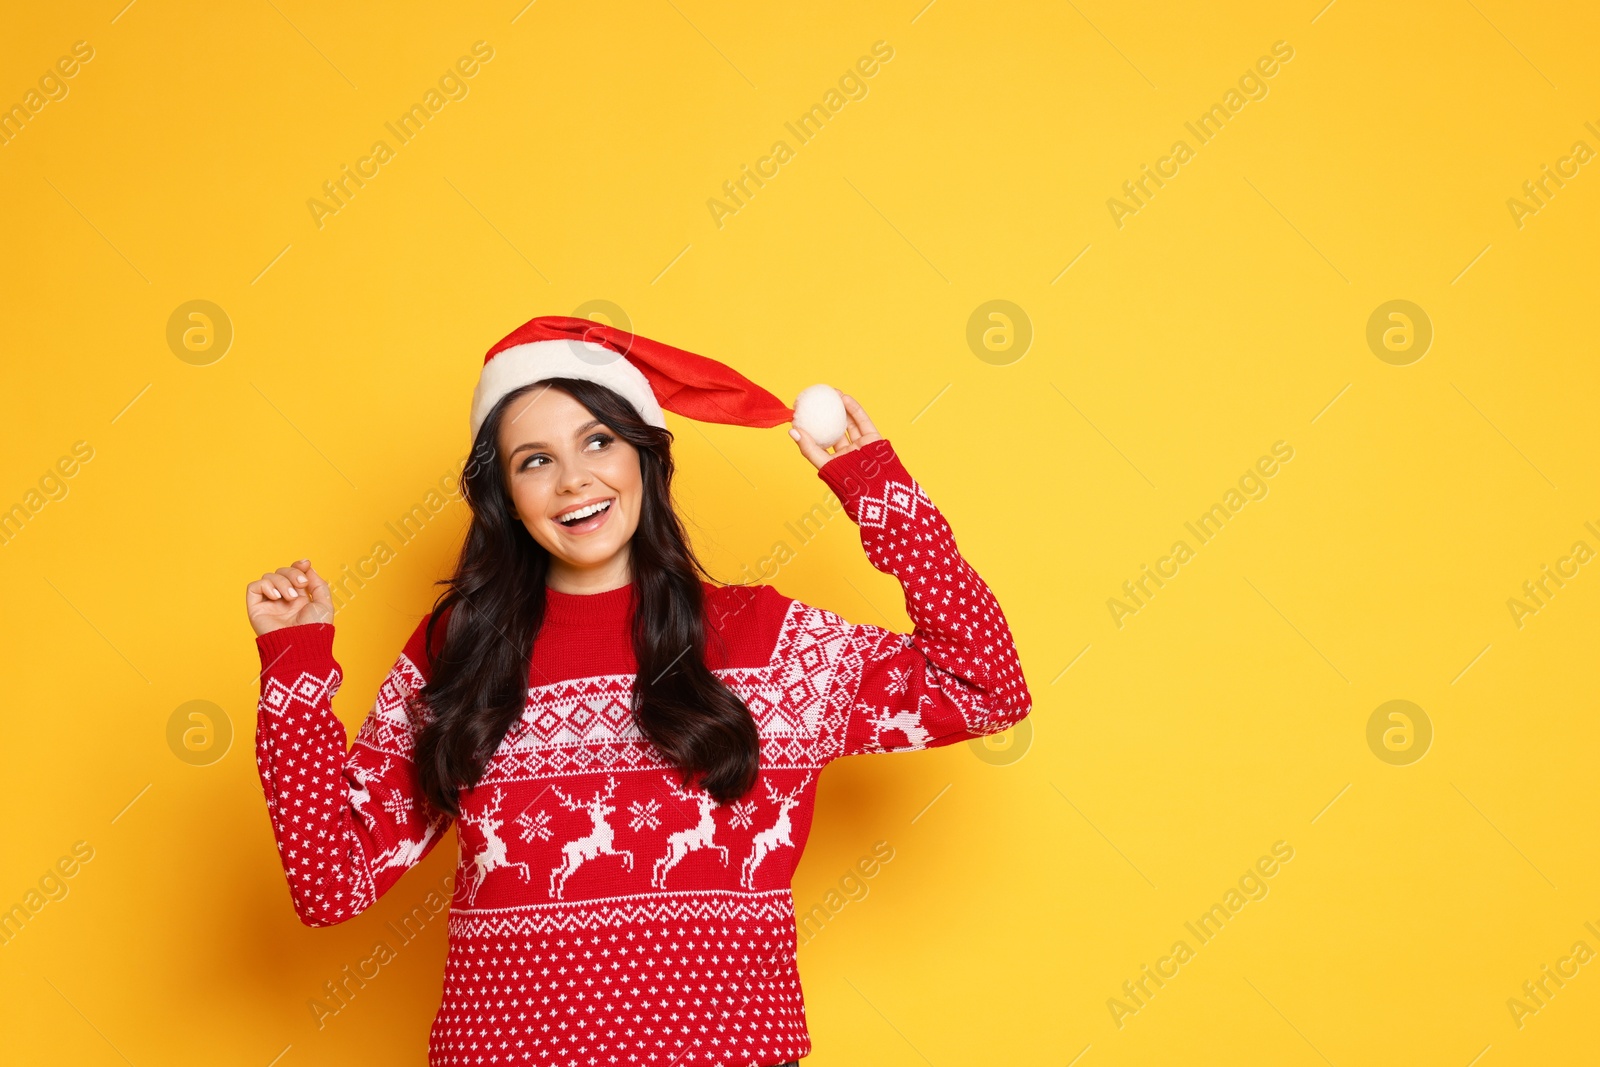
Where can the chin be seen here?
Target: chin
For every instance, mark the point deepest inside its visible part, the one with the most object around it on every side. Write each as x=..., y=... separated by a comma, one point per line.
x=592, y=559
x=593, y=555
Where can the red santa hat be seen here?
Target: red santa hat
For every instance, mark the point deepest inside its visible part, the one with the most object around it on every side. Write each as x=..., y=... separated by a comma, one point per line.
x=648, y=374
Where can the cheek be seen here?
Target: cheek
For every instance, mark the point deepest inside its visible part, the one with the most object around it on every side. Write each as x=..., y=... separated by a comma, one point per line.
x=624, y=477
x=528, y=499
x=622, y=474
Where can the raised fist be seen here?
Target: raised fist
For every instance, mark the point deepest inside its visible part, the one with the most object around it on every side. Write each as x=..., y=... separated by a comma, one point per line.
x=289, y=596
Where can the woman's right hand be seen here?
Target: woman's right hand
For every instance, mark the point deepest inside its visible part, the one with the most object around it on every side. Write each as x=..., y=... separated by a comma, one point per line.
x=289, y=596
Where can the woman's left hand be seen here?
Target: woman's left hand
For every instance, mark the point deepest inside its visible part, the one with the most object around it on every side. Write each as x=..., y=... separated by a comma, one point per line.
x=858, y=431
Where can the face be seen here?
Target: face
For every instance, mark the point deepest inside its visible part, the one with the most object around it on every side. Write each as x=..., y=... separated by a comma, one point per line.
x=560, y=461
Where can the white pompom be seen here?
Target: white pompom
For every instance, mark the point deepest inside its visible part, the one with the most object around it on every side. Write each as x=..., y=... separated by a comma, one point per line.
x=819, y=412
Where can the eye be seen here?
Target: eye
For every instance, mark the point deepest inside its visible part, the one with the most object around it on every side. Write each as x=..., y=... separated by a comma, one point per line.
x=596, y=442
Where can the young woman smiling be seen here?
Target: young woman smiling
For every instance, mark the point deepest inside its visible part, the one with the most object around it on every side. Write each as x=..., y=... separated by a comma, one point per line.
x=629, y=751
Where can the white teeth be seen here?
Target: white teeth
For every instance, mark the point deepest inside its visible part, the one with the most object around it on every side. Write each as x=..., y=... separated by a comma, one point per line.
x=583, y=513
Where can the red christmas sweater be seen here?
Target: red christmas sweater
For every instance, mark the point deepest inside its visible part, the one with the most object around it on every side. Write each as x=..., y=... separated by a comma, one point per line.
x=601, y=915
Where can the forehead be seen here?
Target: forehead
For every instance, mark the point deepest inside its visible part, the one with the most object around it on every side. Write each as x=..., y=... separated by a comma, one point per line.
x=543, y=413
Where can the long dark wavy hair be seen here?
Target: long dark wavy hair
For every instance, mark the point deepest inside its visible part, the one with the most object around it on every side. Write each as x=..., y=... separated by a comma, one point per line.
x=493, y=608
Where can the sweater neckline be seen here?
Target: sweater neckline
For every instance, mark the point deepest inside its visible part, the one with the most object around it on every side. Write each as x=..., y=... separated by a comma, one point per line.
x=605, y=610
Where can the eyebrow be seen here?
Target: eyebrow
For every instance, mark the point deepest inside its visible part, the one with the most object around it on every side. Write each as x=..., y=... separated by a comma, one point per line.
x=579, y=432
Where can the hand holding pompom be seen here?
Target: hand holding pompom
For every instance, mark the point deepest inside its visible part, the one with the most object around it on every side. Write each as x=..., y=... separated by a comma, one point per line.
x=820, y=413
x=861, y=430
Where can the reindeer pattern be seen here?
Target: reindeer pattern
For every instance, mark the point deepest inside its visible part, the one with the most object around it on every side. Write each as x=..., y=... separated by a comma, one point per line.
x=907, y=721
x=493, y=854
x=683, y=842
x=407, y=852
x=670, y=834
x=361, y=792
x=598, y=841
x=775, y=836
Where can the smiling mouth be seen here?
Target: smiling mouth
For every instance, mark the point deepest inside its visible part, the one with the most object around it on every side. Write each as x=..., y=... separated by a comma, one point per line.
x=587, y=517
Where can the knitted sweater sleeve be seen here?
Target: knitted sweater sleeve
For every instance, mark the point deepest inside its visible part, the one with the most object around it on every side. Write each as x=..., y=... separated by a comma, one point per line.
x=348, y=824
x=957, y=675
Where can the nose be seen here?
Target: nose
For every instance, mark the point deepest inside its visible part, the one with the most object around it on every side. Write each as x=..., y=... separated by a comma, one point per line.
x=574, y=476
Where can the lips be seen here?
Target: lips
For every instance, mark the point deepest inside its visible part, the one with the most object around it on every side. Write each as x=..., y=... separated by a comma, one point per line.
x=593, y=516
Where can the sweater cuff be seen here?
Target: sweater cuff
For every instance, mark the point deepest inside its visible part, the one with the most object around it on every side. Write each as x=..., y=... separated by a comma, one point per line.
x=306, y=646
x=861, y=473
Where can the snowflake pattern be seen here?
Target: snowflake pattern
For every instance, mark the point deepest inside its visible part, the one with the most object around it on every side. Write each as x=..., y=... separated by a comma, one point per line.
x=399, y=806
x=535, y=827
x=643, y=814
x=897, y=681
x=742, y=815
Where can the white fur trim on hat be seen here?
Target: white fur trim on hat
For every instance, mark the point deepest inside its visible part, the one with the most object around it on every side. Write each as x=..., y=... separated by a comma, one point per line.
x=521, y=365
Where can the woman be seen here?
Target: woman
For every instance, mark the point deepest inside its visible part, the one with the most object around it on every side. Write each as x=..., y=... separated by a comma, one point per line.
x=628, y=751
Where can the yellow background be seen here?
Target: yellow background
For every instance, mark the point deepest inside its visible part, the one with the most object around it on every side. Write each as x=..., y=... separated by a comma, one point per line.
x=1228, y=314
